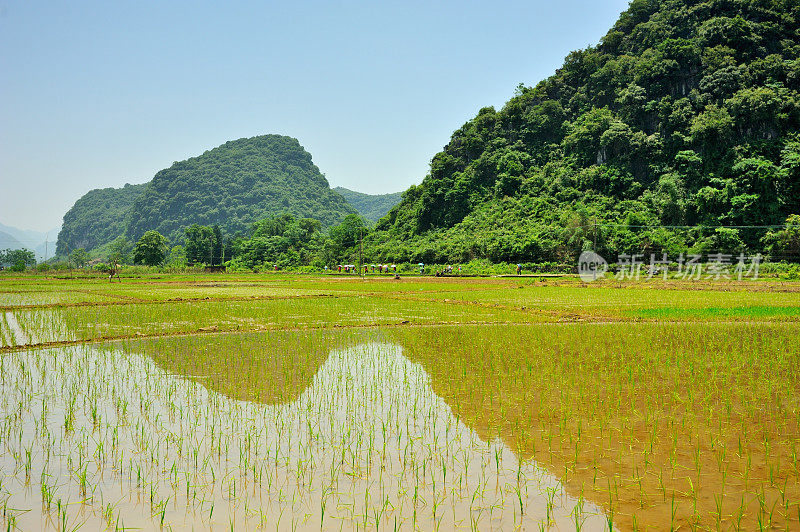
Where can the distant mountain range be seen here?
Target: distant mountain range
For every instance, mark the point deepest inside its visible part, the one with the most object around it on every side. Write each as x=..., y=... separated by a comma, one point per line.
x=42, y=243
x=372, y=207
x=7, y=241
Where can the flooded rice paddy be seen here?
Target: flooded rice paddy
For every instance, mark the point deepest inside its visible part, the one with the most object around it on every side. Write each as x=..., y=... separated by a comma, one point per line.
x=100, y=437
x=300, y=404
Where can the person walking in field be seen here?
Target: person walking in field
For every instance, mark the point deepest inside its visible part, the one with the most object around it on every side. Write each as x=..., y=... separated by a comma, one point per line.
x=519, y=269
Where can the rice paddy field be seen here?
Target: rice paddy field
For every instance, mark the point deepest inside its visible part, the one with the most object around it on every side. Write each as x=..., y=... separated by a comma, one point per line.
x=280, y=402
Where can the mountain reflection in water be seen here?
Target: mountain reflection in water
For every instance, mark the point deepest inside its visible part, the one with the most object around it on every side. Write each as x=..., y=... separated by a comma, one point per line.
x=359, y=427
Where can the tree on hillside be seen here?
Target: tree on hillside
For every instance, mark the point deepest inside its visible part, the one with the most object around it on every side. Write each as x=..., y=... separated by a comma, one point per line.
x=785, y=244
x=217, y=247
x=150, y=249
x=96, y=218
x=233, y=185
x=120, y=250
x=79, y=257
x=344, y=239
x=177, y=257
x=199, y=244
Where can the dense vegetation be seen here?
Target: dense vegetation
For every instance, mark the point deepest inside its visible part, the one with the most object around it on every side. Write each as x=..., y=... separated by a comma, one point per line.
x=283, y=241
x=97, y=218
x=684, y=118
x=235, y=185
x=151, y=249
x=206, y=245
x=17, y=259
x=371, y=207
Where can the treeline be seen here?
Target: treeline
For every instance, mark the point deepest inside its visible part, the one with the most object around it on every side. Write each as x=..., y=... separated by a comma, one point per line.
x=286, y=241
x=678, y=133
x=283, y=241
x=17, y=259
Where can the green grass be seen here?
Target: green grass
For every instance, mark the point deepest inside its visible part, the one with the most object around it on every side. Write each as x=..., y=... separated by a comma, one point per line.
x=49, y=297
x=760, y=312
x=631, y=300
x=199, y=291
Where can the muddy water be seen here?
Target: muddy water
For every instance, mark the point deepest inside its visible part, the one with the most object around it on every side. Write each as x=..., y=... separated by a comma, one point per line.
x=103, y=438
x=14, y=333
x=23, y=327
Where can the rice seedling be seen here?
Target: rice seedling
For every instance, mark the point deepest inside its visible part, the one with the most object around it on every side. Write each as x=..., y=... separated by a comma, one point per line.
x=635, y=411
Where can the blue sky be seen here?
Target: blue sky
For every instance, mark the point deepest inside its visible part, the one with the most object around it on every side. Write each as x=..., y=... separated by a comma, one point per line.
x=99, y=94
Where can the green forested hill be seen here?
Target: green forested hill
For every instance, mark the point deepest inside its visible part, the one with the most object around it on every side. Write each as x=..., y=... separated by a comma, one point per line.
x=685, y=114
x=97, y=217
x=233, y=186
x=371, y=207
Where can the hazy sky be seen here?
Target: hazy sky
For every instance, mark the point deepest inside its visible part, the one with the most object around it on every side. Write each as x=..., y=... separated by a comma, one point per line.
x=99, y=94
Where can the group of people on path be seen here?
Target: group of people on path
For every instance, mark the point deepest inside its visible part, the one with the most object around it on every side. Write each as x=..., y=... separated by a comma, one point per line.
x=381, y=268
x=386, y=268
